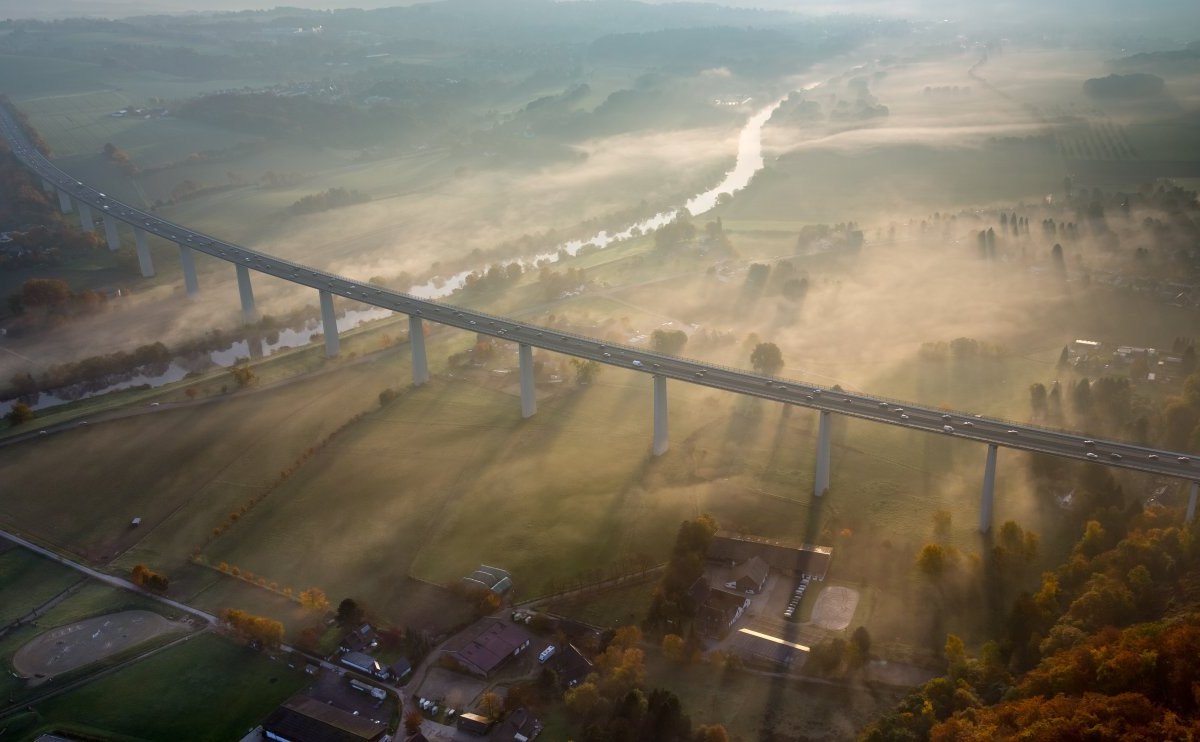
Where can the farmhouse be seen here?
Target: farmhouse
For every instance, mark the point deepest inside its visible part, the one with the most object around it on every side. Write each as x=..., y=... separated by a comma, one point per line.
x=719, y=611
x=571, y=666
x=798, y=560
x=364, y=663
x=489, y=646
x=400, y=669
x=360, y=639
x=751, y=575
x=308, y=720
x=520, y=726
x=490, y=578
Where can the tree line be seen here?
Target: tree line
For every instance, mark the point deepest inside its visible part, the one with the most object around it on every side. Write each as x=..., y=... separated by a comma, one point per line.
x=334, y=198
x=97, y=371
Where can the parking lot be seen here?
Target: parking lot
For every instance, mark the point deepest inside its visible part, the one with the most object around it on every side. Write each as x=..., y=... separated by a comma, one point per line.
x=335, y=690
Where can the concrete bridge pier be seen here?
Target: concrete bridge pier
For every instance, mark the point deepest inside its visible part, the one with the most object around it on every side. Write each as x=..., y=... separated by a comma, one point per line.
x=329, y=324
x=64, y=201
x=47, y=186
x=416, y=346
x=188, y=261
x=143, y=252
x=528, y=392
x=821, y=479
x=989, y=490
x=86, y=222
x=246, y=291
x=110, y=233
x=1191, y=508
x=660, y=416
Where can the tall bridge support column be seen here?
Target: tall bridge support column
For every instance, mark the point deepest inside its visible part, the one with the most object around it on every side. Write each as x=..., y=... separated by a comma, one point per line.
x=1191, y=508
x=246, y=291
x=47, y=186
x=64, y=201
x=329, y=324
x=660, y=416
x=189, y=270
x=416, y=346
x=86, y=223
x=145, y=263
x=528, y=392
x=110, y=233
x=821, y=479
x=989, y=490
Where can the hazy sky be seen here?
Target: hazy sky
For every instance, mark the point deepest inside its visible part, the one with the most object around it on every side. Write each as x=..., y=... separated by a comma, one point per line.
x=907, y=8
x=1174, y=18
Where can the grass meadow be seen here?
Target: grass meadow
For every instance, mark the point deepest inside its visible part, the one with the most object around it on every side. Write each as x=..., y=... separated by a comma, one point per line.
x=746, y=703
x=188, y=466
x=28, y=580
x=86, y=600
x=206, y=688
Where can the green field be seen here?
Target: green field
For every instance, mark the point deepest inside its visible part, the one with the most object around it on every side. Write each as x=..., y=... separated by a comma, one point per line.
x=28, y=580
x=749, y=705
x=89, y=600
x=618, y=606
x=412, y=480
x=207, y=688
x=231, y=449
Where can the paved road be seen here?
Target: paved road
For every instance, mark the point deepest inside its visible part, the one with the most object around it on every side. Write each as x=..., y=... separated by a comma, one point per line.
x=124, y=584
x=925, y=419
x=107, y=578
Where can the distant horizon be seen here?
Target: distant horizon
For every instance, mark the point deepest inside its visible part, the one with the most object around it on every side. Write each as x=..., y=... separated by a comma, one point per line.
x=918, y=9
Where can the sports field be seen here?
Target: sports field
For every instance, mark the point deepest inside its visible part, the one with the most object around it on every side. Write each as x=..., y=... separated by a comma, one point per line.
x=66, y=648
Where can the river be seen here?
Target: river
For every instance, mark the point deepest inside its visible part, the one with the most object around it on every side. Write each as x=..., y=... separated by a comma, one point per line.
x=749, y=161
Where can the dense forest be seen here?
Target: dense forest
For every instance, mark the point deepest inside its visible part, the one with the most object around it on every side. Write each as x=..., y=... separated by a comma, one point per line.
x=1104, y=648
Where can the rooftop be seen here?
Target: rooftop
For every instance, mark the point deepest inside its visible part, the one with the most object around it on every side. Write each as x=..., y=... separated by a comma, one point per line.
x=793, y=558
x=491, y=645
x=306, y=719
x=757, y=646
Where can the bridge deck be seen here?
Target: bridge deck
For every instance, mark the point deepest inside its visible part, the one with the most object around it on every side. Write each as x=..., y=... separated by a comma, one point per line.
x=1021, y=436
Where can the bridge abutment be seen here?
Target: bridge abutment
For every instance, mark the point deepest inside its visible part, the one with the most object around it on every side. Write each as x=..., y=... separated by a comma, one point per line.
x=989, y=490
x=329, y=324
x=188, y=262
x=528, y=391
x=145, y=262
x=661, y=444
x=246, y=292
x=110, y=233
x=416, y=345
x=821, y=478
x=64, y=201
x=1193, y=493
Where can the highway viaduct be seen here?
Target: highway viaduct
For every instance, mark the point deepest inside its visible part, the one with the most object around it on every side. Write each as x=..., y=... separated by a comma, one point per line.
x=994, y=433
